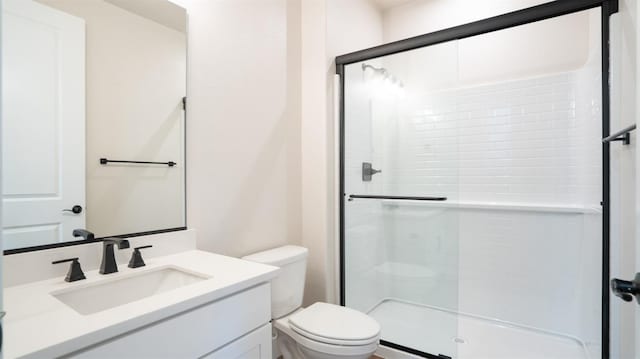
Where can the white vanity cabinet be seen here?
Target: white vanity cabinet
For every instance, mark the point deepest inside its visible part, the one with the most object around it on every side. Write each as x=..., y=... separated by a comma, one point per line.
x=236, y=326
x=225, y=314
x=255, y=345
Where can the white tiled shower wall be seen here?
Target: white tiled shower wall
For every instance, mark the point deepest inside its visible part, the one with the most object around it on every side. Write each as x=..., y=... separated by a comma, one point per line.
x=534, y=141
x=528, y=142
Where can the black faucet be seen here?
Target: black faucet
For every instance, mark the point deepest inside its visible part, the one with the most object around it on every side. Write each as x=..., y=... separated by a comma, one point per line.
x=88, y=236
x=108, y=264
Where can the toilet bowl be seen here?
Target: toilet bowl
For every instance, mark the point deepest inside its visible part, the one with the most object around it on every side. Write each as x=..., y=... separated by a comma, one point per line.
x=320, y=331
x=327, y=331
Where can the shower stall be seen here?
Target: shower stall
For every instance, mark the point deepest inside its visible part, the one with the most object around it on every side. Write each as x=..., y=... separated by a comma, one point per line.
x=474, y=188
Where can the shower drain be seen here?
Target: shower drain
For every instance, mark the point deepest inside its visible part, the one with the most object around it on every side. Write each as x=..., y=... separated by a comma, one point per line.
x=459, y=340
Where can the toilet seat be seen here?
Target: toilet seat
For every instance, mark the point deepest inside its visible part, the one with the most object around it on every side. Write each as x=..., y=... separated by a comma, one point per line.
x=331, y=341
x=331, y=349
x=333, y=324
x=313, y=331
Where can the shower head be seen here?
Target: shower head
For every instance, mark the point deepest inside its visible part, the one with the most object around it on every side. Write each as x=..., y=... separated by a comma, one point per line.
x=382, y=73
x=377, y=70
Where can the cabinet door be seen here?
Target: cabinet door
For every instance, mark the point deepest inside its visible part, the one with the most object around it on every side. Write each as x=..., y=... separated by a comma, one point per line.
x=191, y=334
x=255, y=345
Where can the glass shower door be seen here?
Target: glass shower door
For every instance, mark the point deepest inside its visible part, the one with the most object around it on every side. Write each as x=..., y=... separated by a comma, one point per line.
x=401, y=229
x=473, y=181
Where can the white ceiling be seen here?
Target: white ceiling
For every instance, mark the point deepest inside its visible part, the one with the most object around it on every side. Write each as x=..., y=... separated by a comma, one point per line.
x=386, y=4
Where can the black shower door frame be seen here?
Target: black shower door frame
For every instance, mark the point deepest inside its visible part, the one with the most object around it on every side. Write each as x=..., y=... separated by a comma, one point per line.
x=521, y=17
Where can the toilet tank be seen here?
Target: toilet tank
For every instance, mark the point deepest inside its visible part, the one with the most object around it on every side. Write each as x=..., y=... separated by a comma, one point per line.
x=288, y=287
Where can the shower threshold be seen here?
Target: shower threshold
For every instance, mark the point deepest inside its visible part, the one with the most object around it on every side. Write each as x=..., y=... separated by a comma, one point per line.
x=439, y=331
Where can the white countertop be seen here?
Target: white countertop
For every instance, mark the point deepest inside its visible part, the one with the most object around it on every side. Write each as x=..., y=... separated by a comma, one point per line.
x=38, y=325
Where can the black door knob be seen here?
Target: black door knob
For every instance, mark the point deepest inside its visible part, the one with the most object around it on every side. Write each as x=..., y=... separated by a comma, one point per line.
x=75, y=209
x=625, y=289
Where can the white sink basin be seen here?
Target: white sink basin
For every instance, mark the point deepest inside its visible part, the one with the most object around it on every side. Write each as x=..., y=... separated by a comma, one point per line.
x=117, y=291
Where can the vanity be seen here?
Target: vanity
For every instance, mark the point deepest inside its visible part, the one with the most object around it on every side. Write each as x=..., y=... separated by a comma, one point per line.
x=192, y=304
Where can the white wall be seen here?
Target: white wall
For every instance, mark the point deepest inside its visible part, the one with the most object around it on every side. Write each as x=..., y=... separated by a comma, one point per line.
x=489, y=57
x=419, y=17
x=329, y=28
x=346, y=26
x=135, y=73
x=243, y=125
x=314, y=170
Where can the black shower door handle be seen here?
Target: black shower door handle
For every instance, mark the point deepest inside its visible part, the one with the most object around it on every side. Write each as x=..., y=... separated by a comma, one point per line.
x=625, y=289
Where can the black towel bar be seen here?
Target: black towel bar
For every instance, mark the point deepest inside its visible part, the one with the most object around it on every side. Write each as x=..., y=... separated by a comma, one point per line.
x=622, y=135
x=104, y=161
x=398, y=198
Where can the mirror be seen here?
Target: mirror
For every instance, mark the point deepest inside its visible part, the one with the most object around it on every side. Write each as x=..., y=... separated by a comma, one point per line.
x=87, y=84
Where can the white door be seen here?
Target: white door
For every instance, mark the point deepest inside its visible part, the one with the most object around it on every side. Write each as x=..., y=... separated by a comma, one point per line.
x=43, y=124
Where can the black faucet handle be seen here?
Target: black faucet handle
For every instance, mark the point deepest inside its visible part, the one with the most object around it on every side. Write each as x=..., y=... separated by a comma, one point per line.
x=136, y=257
x=65, y=260
x=75, y=271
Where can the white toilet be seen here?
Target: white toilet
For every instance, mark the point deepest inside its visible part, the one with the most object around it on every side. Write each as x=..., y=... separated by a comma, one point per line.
x=321, y=331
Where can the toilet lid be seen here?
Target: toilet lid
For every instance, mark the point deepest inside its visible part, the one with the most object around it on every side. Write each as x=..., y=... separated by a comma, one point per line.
x=335, y=324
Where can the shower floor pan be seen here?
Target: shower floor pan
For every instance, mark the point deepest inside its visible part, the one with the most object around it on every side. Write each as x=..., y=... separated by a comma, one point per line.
x=437, y=331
